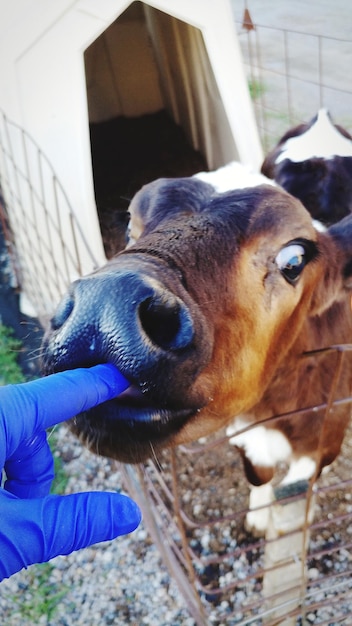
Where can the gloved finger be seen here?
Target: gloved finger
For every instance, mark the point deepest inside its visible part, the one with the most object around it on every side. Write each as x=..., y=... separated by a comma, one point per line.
x=29, y=408
x=35, y=531
x=30, y=470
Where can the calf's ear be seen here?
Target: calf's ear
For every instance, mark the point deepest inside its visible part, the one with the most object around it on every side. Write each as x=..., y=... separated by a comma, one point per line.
x=334, y=281
x=268, y=165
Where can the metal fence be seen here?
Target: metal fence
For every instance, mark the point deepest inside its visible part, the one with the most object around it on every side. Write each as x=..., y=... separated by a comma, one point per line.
x=222, y=571
x=46, y=243
x=292, y=74
x=195, y=501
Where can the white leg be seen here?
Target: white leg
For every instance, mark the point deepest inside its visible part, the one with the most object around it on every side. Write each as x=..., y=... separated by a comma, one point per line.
x=257, y=518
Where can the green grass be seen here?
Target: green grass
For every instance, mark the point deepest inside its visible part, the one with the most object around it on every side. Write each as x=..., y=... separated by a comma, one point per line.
x=41, y=597
x=256, y=88
x=10, y=347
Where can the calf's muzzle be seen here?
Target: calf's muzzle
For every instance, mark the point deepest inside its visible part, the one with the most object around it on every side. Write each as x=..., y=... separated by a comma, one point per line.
x=152, y=330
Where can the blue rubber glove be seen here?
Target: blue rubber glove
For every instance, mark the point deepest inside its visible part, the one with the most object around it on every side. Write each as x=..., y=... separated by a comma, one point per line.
x=35, y=526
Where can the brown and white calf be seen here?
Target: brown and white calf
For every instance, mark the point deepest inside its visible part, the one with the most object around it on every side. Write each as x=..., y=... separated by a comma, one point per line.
x=208, y=315
x=313, y=162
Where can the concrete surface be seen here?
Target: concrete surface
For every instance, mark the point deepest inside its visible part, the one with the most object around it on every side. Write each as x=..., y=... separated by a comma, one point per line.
x=301, y=56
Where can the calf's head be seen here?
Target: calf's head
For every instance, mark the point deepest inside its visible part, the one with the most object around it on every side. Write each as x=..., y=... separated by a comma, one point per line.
x=198, y=314
x=313, y=162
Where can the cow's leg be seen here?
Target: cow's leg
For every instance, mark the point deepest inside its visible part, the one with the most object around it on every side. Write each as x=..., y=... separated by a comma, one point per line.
x=257, y=518
x=261, y=449
x=261, y=497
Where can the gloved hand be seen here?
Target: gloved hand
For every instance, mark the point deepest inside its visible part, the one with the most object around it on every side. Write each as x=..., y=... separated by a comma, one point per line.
x=35, y=526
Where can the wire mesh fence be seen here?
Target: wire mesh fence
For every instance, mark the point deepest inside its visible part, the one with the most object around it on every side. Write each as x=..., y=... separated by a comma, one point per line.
x=224, y=572
x=46, y=243
x=292, y=74
x=195, y=502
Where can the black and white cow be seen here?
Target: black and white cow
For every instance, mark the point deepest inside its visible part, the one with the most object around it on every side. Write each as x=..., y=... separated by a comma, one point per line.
x=313, y=162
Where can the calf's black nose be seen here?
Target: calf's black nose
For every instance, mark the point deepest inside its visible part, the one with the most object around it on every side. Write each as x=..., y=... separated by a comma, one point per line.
x=121, y=316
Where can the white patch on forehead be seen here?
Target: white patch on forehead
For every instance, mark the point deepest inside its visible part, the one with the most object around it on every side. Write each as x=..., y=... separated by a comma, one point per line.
x=234, y=175
x=322, y=140
x=264, y=447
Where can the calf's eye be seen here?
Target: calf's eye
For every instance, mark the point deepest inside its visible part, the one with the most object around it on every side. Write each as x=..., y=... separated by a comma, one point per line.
x=291, y=260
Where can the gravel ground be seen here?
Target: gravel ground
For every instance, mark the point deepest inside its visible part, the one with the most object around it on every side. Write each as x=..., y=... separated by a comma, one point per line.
x=119, y=582
x=125, y=582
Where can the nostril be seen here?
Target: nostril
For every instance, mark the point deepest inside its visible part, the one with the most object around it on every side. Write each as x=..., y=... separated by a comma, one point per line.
x=166, y=321
x=62, y=312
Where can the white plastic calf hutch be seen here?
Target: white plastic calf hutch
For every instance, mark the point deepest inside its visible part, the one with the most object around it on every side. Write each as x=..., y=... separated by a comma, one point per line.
x=71, y=69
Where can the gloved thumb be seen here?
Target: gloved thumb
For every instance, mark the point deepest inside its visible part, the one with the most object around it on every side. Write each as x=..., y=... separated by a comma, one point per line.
x=35, y=531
